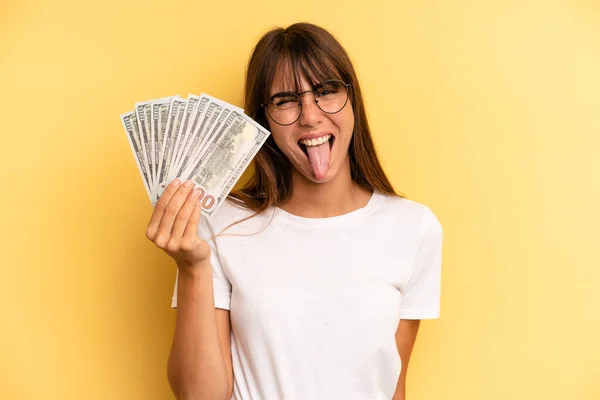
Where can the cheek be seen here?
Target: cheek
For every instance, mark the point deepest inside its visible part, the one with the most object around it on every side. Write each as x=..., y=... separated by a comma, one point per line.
x=345, y=125
x=281, y=137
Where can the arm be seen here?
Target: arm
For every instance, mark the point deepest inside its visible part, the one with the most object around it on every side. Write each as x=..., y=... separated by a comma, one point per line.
x=421, y=296
x=406, y=335
x=199, y=365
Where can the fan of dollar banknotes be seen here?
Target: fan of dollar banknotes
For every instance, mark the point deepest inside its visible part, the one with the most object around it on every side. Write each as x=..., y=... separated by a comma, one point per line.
x=203, y=139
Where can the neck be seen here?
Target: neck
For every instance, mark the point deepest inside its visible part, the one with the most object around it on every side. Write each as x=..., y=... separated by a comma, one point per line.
x=339, y=196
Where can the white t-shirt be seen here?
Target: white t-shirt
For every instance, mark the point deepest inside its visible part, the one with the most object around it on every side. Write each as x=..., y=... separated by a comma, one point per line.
x=315, y=302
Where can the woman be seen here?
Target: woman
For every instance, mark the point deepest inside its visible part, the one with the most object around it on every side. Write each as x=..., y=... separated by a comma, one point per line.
x=309, y=283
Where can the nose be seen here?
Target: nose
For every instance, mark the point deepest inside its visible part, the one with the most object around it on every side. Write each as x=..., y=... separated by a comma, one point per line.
x=311, y=113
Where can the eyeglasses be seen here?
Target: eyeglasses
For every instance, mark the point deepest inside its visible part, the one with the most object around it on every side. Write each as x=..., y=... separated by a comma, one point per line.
x=285, y=108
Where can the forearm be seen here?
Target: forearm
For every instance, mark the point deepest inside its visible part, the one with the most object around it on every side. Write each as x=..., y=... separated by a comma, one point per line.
x=400, y=393
x=406, y=336
x=196, y=367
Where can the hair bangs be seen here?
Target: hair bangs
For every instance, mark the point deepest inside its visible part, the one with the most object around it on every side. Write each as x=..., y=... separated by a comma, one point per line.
x=299, y=61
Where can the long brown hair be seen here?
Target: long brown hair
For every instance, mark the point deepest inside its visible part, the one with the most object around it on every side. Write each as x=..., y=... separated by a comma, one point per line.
x=312, y=52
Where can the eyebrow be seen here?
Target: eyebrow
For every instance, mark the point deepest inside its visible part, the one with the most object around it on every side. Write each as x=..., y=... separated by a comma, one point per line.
x=314, y=87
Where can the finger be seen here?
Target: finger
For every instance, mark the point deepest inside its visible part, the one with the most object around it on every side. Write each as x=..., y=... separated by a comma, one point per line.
x=160, y=207
x=170, y=213
x=192, y=226
x=184, y=214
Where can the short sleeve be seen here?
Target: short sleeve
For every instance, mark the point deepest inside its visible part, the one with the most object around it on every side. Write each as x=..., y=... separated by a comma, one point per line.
x=221, y=285
x=421, y=296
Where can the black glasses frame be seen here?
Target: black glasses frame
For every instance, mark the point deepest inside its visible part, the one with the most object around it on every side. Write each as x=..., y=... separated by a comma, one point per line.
x=298, y=95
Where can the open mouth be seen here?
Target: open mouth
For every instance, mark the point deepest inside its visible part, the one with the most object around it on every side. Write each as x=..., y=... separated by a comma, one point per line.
x=315, y=142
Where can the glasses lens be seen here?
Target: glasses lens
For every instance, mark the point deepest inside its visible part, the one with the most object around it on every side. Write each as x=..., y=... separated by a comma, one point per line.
x=332, y=96
x=284, y=108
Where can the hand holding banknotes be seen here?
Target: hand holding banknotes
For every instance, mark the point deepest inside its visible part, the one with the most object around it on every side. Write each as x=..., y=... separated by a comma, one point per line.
x=173, y=226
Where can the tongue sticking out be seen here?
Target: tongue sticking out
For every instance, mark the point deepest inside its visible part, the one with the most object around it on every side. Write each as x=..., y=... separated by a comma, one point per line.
x=319, y=159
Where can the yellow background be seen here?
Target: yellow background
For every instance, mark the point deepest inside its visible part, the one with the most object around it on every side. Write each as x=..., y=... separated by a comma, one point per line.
x=487, y=111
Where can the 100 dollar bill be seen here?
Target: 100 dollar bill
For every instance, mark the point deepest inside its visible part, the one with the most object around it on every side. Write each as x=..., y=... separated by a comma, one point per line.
x=221, y=165
x=226, y=159
x=130, y=123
